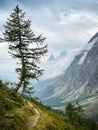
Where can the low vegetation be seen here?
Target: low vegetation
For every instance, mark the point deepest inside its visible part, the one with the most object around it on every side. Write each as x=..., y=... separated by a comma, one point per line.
x=15, y=111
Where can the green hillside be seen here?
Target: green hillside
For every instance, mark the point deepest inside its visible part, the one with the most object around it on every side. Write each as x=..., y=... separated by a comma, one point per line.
x=19, y=113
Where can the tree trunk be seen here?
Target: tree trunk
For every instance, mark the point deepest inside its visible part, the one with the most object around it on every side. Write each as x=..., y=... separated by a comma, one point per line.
x=15, y=90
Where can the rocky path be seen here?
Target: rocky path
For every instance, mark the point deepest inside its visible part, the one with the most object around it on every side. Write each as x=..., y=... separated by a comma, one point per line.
x=32, y=120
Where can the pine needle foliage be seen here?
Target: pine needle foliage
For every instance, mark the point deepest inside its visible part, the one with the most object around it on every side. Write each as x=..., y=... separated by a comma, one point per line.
x=24, y=46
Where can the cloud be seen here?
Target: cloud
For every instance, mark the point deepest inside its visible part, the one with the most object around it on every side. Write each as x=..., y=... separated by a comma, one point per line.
x=55, y=68
x=66, y=24
x=7, y=64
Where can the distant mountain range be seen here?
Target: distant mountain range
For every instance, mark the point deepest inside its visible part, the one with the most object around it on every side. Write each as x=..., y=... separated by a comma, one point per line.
x=53, y=58
x=54, y=65
x=63, y=54
x=78, y=83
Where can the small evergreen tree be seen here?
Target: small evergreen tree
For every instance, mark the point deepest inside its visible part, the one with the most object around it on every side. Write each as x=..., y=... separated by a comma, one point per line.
x=74, y=113
x=70, y=112
x=24, y=46
x=76, y=117
x=80, y=114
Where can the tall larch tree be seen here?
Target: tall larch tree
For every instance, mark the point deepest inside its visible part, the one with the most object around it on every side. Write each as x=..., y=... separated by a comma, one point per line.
x=24, y=46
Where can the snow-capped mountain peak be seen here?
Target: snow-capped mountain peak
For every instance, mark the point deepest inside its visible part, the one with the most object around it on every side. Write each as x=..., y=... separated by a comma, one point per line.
x=86, y=48
x=94, y=37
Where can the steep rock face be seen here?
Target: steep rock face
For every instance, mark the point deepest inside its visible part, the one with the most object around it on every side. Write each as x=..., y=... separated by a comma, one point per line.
x=78, y=82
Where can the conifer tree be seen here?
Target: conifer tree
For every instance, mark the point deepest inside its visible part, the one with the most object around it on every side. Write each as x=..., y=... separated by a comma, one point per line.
x=24, y=46
x=75, y=114
x=70, y=112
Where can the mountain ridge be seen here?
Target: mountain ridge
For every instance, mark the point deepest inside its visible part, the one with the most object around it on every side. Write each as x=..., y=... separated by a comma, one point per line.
x=79, y=81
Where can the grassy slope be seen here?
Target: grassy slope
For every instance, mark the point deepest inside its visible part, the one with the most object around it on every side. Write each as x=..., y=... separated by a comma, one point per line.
x=15, y=111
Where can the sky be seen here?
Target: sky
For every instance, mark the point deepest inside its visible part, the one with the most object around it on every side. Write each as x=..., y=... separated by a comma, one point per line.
x=67, y=25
